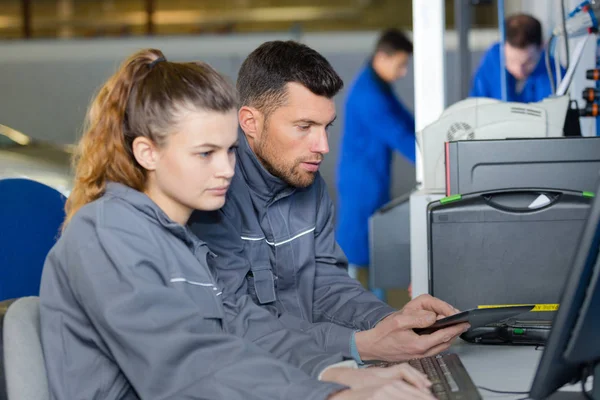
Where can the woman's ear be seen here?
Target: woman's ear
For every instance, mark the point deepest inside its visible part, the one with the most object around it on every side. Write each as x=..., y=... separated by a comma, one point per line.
x=145, y=152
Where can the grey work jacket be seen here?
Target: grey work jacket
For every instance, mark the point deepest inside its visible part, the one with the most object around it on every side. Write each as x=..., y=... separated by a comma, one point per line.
x=129, y=310
x=276, y=243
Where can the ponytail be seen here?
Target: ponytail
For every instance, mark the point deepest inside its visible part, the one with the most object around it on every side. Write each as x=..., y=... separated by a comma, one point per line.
x=102, y=154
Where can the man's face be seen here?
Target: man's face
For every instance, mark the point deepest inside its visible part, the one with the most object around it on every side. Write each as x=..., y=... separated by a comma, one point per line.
x=391, y=67
x=294, y=140
x=521, y=62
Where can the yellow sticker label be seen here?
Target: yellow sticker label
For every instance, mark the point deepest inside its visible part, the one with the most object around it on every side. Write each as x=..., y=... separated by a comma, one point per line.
x=538, y=307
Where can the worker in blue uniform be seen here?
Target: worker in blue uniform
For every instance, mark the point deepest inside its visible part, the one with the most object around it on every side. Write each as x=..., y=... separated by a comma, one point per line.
x=375, y=124
x=527, y=79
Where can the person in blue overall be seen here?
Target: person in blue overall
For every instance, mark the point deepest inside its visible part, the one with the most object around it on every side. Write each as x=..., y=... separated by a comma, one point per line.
x=527, y=79
x=376, y=123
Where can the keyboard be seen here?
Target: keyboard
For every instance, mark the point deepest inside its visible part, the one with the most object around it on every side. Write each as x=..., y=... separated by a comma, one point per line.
x=450, y=379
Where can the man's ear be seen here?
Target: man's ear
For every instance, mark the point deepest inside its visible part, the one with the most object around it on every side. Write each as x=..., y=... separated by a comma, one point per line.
x=251, y=121
x=145, y=152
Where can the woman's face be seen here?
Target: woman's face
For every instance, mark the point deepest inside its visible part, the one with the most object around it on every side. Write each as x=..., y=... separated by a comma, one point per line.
x=193, y=168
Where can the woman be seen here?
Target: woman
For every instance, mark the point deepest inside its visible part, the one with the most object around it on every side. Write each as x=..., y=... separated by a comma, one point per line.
x=129, y=308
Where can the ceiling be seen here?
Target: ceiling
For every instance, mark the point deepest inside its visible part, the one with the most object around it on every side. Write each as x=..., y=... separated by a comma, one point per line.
x=92, y=18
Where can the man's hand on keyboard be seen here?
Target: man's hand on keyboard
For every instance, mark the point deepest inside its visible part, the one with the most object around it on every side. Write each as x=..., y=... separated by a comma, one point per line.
x=359, y=378
x=393, y=339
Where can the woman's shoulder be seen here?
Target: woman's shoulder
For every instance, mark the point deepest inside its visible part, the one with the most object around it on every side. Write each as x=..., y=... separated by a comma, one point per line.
x=106, y=212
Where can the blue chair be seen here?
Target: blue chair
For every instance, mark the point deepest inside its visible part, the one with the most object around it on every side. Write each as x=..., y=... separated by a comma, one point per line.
x=31, y=215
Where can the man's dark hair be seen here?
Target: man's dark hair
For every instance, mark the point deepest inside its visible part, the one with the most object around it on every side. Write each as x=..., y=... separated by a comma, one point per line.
x=393, y=41
x=523, y=30
x=264, y=74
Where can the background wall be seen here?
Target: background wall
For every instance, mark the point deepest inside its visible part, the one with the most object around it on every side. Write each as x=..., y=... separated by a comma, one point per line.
x=46, y=86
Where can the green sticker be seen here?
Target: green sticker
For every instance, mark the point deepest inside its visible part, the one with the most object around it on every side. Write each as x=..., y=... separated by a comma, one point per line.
x=449, y=199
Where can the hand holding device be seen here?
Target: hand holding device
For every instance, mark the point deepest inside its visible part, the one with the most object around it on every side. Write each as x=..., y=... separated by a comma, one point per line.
x=476, y=318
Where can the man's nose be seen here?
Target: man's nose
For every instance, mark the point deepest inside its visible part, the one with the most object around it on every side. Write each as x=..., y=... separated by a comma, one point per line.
x=321, y=144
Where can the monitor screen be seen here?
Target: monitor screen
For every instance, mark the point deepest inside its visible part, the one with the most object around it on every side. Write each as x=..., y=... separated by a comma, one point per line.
x=571, y=345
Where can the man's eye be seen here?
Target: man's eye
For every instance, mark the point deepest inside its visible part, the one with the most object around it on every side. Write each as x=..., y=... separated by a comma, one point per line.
x=304, y=127
x=205, y=154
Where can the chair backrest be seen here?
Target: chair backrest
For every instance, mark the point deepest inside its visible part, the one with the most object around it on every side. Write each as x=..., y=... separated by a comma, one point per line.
x=3, y=308
x=31, y=214
x=23, y=358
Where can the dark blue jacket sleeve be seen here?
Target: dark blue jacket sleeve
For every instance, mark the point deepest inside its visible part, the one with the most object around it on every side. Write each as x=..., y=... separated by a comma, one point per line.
x=338, y=297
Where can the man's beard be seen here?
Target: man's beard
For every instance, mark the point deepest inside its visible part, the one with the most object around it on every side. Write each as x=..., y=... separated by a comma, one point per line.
x=289, y=173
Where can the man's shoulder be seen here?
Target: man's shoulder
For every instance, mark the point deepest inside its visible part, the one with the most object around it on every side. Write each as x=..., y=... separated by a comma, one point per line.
x=491, y=58
x=364, y=84
x=493, y=50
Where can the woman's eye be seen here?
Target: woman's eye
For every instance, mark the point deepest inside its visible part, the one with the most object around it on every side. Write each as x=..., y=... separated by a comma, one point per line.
x=205, y=154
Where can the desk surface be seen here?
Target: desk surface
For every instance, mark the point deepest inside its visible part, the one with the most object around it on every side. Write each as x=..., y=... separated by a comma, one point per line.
x=505, y=368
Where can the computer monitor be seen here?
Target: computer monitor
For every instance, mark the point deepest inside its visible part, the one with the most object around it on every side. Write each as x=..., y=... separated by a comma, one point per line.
x=573, y=348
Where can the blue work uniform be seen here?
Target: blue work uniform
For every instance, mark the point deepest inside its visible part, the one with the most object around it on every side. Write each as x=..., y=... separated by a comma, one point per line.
x=375, y=124
x=486, y=82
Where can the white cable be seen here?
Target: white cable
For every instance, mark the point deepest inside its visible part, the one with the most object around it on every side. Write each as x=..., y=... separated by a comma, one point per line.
x=557, y=66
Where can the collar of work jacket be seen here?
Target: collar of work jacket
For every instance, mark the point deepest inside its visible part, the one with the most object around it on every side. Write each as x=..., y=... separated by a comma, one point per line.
x=261, y=182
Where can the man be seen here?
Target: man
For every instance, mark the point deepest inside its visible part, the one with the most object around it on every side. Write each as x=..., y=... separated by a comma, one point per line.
x=527, y=79
x=376, y=123
x=274, y=237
